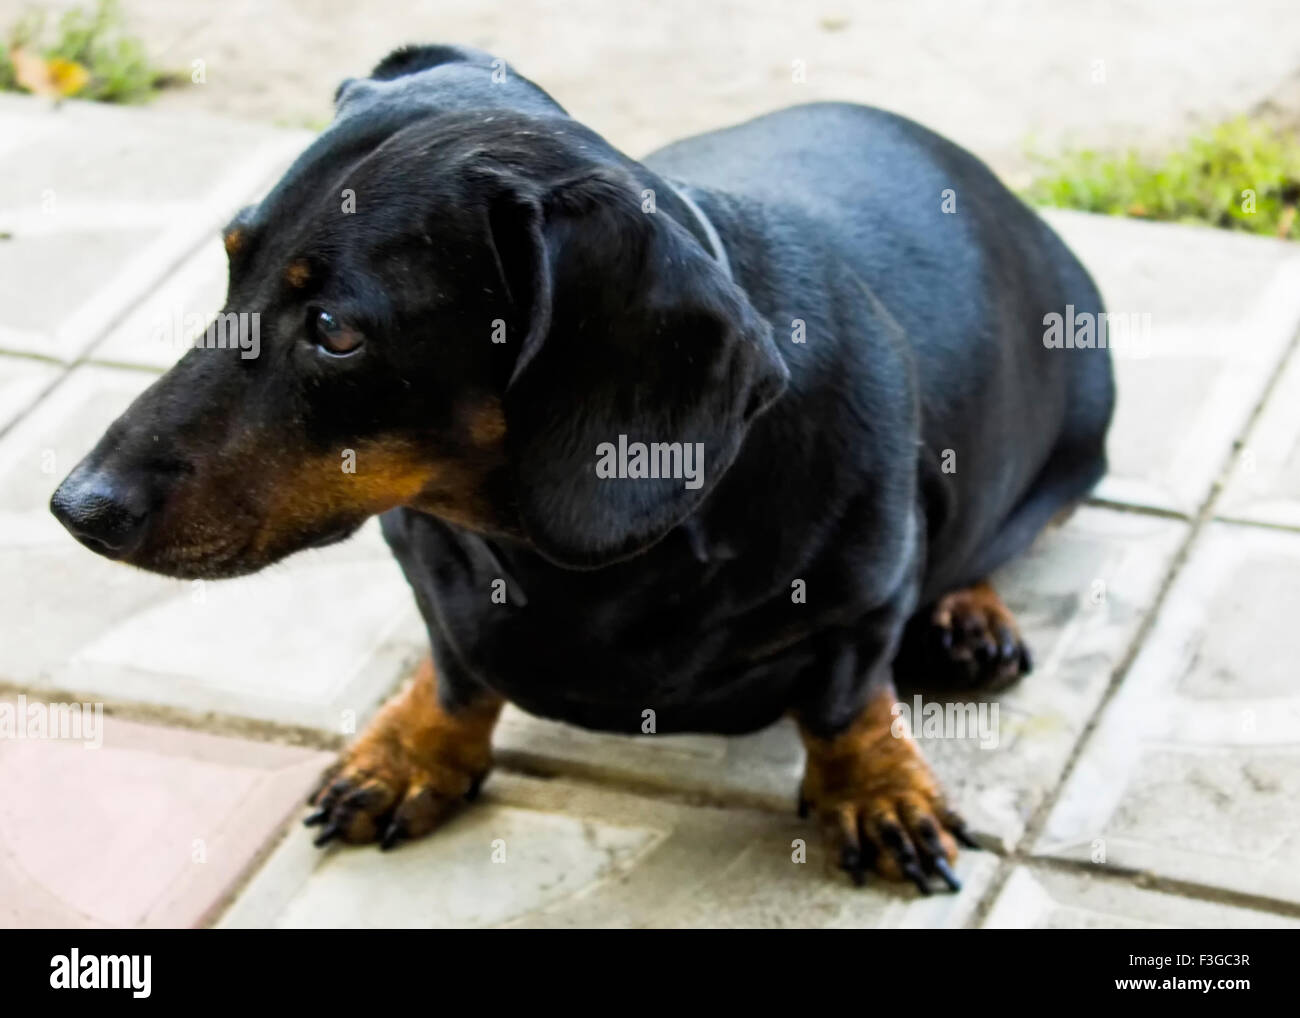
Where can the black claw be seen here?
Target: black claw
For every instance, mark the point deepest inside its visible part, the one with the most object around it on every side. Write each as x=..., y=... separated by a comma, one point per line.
x=1026, y=660
x=914, y=874
x=395, y=833
x=326, y=836
x=892, y=835
x=321, y=785
x=319, y=817
x=904, y=855
x=928, y=835
x=803, y=808
x=945, y=871
x=474, y=787
x=329, y=794
x=851, y=862
x=870, y=854
x=963, y=837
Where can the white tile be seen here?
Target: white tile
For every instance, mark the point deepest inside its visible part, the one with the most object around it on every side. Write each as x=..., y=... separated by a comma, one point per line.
x=164, y=325
x=1223, y=308
x=22, y=380
x=1194, y=770
x=1264, y=486
x=552, y=854
x=101, y=203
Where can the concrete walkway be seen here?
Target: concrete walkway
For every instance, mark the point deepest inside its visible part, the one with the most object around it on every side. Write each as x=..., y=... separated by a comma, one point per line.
x=1146, y=773
x=992, y=76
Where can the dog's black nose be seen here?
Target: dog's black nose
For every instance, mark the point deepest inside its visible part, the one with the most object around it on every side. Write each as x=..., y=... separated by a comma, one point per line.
x=106, y=516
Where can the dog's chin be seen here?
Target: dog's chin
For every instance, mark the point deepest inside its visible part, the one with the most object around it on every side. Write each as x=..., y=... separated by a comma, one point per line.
x=190, y=562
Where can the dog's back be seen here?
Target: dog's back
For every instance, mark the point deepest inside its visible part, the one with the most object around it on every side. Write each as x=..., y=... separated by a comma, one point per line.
x=1013, y=429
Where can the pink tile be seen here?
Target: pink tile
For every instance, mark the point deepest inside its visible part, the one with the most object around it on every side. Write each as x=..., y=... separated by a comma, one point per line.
x=153, y=828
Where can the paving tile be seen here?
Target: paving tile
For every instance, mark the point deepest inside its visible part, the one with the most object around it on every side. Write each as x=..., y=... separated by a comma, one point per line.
x=151, y=827
x=761, y=770
x=100, y=203
x=573, y=855
x=1264, y=486
x=1043, y=899
x=1223, y=309
x=1080, y=595
x=314, y=642
x=1194, y=770
x=22, y=380
x=165, y=324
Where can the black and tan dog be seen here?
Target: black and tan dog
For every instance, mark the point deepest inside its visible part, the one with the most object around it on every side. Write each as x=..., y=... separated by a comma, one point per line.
x=735, y=431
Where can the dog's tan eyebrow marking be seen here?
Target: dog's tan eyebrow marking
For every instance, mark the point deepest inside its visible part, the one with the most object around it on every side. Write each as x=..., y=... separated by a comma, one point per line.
x=233, y=240
x=486, y=423
x=297, y=272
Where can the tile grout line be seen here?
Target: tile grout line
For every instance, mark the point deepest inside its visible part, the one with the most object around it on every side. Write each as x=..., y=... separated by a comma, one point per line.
x=40, y=397
x=1153, y=512
x=216, y=723
x=83, y=356
x=1145, y=880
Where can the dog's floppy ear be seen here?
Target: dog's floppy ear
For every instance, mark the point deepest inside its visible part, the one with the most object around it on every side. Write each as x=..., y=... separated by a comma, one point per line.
x=632, y=334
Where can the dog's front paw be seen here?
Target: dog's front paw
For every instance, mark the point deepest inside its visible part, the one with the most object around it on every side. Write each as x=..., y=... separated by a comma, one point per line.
x=409, y=769
x=977, y=641
x=879, y=803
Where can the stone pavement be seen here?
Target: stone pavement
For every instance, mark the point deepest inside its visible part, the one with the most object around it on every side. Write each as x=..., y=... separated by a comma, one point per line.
x=646, y=72
x=1145, y=774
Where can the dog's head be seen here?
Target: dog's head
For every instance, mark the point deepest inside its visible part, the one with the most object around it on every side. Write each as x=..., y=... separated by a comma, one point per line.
x=443, y=308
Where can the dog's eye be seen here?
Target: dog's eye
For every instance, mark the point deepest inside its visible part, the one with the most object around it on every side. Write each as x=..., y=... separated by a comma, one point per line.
x=331, y=335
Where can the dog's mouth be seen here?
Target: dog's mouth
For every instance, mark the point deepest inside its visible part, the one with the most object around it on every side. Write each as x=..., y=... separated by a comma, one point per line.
x=334, y=535
x=233, y=554
x=227, y=556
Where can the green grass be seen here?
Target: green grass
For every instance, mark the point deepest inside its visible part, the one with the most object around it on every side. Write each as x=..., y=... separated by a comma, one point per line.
x=1207, y=181
x=88, y=49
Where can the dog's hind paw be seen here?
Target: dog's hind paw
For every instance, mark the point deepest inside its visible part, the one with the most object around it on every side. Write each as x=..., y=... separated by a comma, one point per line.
x=975, y=642
x=408, y=771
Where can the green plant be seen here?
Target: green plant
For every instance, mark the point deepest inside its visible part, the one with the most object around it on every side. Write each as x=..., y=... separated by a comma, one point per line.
x=1243, y=175
x=87, y=54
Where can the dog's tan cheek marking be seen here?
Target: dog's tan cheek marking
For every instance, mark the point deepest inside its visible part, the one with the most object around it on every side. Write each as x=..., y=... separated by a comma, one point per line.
x=297, y=273
x=344, y=486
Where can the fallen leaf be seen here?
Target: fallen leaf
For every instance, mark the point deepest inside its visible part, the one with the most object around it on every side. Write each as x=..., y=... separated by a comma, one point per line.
x=54, y=79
